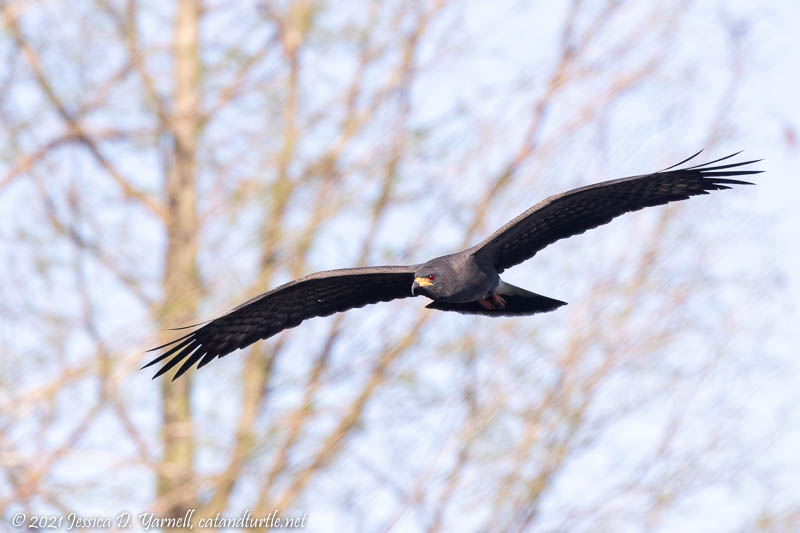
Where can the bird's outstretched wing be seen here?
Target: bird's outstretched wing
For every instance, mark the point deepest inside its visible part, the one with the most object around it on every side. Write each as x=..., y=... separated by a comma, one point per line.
x=319, y=294
x=578, y=210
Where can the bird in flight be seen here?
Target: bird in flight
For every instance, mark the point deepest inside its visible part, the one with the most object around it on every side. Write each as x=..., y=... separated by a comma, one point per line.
x=465, y=282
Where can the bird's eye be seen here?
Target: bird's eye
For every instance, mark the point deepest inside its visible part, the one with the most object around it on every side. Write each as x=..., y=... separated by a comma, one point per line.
x=431, y=277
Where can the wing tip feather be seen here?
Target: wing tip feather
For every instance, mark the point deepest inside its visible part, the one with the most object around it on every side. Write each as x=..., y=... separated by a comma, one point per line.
x=684, y=161
x=706, y=168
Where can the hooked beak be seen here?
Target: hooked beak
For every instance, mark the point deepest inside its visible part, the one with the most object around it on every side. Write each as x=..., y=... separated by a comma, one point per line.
x=420, y=282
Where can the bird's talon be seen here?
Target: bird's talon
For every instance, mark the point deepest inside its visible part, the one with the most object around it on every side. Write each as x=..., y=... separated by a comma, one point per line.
x=493, y=302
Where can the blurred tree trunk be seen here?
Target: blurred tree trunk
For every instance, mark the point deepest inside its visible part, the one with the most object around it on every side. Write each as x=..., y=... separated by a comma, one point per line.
x=181, y=282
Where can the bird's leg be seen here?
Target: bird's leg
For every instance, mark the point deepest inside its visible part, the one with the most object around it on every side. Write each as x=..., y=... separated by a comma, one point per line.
x=493, y=301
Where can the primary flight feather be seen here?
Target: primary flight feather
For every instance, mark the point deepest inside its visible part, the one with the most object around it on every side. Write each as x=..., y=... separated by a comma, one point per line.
x=466, y=282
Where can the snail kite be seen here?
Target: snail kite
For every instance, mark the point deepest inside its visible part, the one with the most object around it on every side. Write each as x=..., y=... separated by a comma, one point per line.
x=465, y=282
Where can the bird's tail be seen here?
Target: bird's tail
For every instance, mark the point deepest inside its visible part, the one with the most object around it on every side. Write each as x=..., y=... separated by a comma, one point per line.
x=519, y=302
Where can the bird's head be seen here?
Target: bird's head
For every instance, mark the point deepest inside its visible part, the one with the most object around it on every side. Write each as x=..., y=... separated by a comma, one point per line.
x=431, y=280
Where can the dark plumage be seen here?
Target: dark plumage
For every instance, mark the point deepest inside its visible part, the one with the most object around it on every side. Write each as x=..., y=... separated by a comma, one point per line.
x=465, y=282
